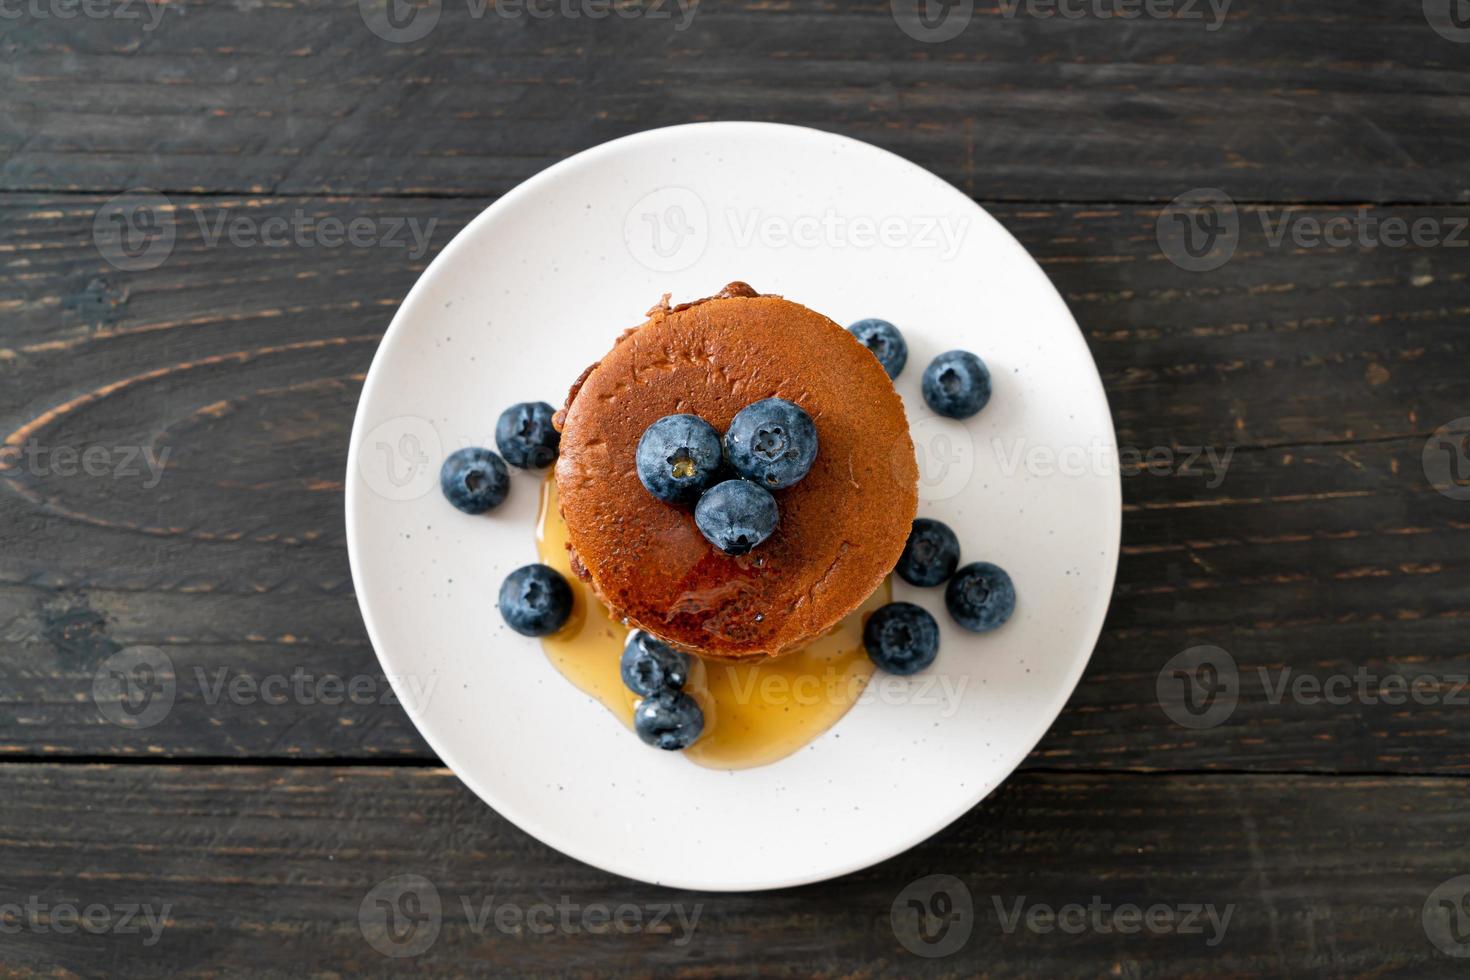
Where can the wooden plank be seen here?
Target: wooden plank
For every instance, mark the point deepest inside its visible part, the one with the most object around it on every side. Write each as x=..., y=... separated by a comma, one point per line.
x=270, y=867
x=1321, y=547
x=1302, y=100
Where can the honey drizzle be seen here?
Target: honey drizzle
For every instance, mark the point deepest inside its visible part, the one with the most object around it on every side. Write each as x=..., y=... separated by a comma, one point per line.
x=754, y=713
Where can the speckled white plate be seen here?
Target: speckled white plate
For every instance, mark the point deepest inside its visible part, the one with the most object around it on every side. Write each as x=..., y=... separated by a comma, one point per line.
x=535, y=289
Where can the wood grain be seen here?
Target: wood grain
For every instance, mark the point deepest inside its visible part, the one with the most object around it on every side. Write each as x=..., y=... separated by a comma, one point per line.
x=1296, y=100
x=264, y=870
x=1321, y=548
x=173, y=440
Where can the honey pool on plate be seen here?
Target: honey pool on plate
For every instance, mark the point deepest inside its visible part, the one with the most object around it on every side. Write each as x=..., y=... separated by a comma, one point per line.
x=753, y=713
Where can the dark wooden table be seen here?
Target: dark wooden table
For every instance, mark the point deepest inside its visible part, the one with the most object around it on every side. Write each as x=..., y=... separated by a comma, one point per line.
x=175, y=424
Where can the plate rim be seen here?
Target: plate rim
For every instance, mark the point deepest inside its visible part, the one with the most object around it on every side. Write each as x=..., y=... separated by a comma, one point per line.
x=511, y=812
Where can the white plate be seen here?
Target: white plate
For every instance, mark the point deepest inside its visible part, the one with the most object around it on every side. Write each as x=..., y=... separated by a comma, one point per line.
x=535, y=289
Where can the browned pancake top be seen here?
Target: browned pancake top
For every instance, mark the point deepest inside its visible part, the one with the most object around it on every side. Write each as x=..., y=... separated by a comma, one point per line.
x=842, y=527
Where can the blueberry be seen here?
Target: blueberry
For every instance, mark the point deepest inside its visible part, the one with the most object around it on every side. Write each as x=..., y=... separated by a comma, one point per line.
x=980, y=597
x=931, y=554
x=669, y=720
x=474, y=480
x=884, y=340
x=956, y=384
x=525, y=436
x=650, y=665
x=901, y=638
x=772, y=442
x=535, y=600
x=678, y=458
x=736, y=515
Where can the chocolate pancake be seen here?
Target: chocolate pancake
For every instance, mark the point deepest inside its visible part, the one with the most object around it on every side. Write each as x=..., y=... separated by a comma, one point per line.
x=842, y=528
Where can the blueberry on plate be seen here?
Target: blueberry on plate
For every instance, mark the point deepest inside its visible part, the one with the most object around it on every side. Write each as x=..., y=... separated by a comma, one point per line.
x=668, y=720
x=474, y=480
x=901, y=638
x=535, y=600
x=956, y=384
x=980, y=597
x=650, y=665
x=525, y=436
x=736, y=515
x=931, y=555
x=678, y=458
x=772, y=442
x=884, y=340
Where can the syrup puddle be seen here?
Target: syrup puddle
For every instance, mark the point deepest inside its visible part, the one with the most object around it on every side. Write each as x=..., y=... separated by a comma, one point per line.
x=754, y=713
